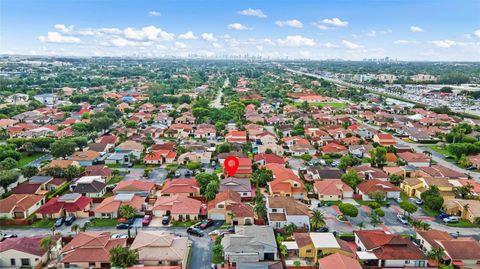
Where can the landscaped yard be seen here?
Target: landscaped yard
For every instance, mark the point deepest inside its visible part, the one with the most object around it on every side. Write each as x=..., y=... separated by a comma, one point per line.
x=28, y=158
x=462, y=223
x=438, y=149
x=43, y=223
x=115, y=179
x=103, y=222
x=184, y=223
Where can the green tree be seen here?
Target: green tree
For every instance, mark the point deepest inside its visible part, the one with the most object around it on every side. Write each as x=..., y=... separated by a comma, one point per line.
x=8, y=163
x=260, y=210
x=203, y=179
x=317, y=220
x=408, y=207
x=374, y=219
x=289, y=229
x=396, y=179
x=212, y=190
x=193, y=165
x=262, y=176
x=8, y=177
x=436, y=254
x=378, y=196
x=29, y=171
x=46, y=244
x=62, y=148
x=75, y=228
x=223, y=148
x=463, y=192
x=306, y=157
x=122, y=257
x=217, y=250
x=348, y=161
x=348, y=210
x=131, y=124
x=351, y=179
x=378, y=156
x=127, y=211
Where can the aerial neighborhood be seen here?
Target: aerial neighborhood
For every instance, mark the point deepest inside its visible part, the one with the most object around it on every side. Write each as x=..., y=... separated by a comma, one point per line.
x=107, y=163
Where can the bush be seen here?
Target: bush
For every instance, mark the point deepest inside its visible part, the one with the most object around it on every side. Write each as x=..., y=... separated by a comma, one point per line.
x=374, y=205
x=379, y=212
x=348, y=210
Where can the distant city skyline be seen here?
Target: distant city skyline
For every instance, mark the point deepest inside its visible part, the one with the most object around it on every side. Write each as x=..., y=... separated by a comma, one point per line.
x=317, y=30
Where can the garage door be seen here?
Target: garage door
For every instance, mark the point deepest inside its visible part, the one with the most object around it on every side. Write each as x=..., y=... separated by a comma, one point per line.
x=216, y=216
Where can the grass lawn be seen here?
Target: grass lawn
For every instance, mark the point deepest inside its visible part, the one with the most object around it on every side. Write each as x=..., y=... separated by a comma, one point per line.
x=185, y=224
x=428, y=211
x=462, y=223
x=367, y=203
x=142, y=165
x=28, y=158
x=43, y=223
x=115, y=179
x=103, y=222
x=404, y=196
x=438, y=149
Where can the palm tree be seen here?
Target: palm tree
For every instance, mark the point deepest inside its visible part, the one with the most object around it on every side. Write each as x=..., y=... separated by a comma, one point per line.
x=260, y=210
x=289, y=229
x=75, y=227
x=47, y=243
x=437, y=254
x=318, y=219
x=123, y=257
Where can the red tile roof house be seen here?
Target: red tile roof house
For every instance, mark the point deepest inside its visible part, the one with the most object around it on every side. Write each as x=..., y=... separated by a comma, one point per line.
x=70, y=204
x=332, y=190
x=384, y=139
x=338, y=261
x=108, y=208
x=182, y=186
x=415, y=159
x=160, y=157
x=285, y=182
x=137, y=187
x=20, y=206
x=244, y=168
x=26, y=251
x=236, y=137
x=263, y=159
x=379, y=249
x=228, y=206
x=462, y=252
x=334, y=148
x=179, y=207
x=90, y=250
x=372, y=185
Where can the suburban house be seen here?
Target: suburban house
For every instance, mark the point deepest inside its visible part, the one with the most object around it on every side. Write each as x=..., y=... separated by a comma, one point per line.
x=90, y=250
x=70, y=204
x=375, y=185
x=159, y=248
x=129, y=145
x=242, y=186
x=338, y=261
x=310, y=246
x=466, y=209
x=379, y=249
x=265, y=158
x=90, y=186
x=23, y=252
x=429, y=239
x=250, y=244
x=415, y=159
x=236, y=137
x=384, y=139
x=86, y=158
x=228, y=206
x=332, y=190
x=179, y=207
x=20, y=206
x=282, y=211
x=285, y=182
x=137, y=187
x=99, y=170
x=317, y=173
x=161, y=156
x=414, y=187
x=244, y=168
x=108, y=208
x=182, y=186
x=462, y=253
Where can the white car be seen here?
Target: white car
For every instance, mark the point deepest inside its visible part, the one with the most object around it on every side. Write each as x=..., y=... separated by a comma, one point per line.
x=402, y=219
x=451, y=219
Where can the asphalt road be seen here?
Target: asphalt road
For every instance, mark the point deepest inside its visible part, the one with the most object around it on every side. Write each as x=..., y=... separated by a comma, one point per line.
x=201, y=256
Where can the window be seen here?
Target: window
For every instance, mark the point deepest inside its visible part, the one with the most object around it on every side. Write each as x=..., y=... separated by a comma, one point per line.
x=91, y=264
x=308, y=251
x=220, y=206
x=245, y=193
x=274, y=210
x=25, y=262
x=407, y=262
x=277, y=224
x=12, y=262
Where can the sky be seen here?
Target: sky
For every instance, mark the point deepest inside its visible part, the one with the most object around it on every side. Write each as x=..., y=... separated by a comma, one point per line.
x=432, y=30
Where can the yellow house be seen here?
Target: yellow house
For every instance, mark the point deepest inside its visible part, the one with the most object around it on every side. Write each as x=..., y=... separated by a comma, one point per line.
x=466, y=209
x=311, y=246
x=414, y=187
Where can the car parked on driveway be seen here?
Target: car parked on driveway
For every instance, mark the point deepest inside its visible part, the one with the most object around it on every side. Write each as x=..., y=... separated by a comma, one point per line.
x=451, y=219
x=59, y=222
x=402, y=219
x=206, y=223
x=166, y=220
x=146, y=220
x=195, y=231
x=123, y=226
x=442, y=216
x=69, y=220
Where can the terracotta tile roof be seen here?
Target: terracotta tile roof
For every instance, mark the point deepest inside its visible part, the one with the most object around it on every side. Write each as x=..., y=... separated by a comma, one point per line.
x=61, y=163
x=134, y=185
x=19, y=202
x=160, y=246
x=331, y=187
x=303, y=239
x=338, y=261
x=462, y=249
x=56, y=205
x=113, y=203
x=30, y=245
x=27, y=188
x=269, y=158
x=432, y=236
x=90, y=247
x=241, y=210
x=291, y=206
x=108, y=139
x=372, y=185
x=413, y=157
x=88, y=155
x=225, y=196
x=180, y=185
x=177, y=204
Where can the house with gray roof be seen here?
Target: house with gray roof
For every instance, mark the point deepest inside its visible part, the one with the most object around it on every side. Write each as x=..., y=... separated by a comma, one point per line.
x=240, y=185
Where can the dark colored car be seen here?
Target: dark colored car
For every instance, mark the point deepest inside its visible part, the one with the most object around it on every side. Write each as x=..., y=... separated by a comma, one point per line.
x=166, y=220
x=146, y=220
x=322, y=230
x=69, y=220
x=59, y=222
x=6, y=236
x=195, y=231
x=443, y=215
x=206, y=223
x=123, y=226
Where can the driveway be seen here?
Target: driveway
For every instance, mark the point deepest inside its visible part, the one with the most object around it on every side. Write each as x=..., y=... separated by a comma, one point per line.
x=134, y=173
x=158, y=175
x=38, y=162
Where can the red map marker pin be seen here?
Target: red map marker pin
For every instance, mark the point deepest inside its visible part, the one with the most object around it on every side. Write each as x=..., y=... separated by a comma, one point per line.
x=231, y=164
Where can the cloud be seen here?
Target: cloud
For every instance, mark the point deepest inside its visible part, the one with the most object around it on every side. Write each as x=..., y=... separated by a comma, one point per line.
x=291, y=23
x=416, y=29
x=477, y=33
x=217, y=46
x=296, y=41
x=180, y=45
x=351, y=45
x=329, y=45
x=56, y=37
x=237, y=26
x=253, y=13
x=154, y=13
x=402, y=41
x=188, y=35
x=372, y=33
x=64, y=29
x=333, y=23
x=209, y=37
x=147, y=33
x=444, y=43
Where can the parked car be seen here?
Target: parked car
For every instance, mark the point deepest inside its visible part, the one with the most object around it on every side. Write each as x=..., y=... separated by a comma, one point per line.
x=451, y=219
x=59, y=222
x=166, y=220
x=206, y=223
x=322, y=230
x=188, y=173
x=195, y=231
x=442, y=216
x=177, y=174
x=418, y=201
x=69, y=220
x=146, y=220
x=6, y=236
x=402, y=219
x=123, y=226
x=399, y=200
